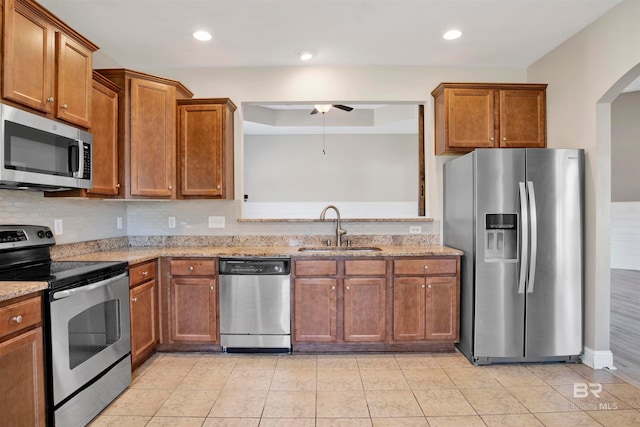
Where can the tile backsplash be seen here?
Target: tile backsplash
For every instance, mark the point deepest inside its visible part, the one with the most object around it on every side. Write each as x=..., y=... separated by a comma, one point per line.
x=86, y=220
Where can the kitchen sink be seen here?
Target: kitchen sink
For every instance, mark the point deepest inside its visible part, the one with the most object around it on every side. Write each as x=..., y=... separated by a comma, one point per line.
x=341, y=248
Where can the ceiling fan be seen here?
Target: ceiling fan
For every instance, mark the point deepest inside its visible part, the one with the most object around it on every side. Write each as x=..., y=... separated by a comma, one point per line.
x=323, y=108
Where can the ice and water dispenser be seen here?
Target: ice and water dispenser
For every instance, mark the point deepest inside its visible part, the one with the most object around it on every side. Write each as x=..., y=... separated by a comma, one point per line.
x=501, y=237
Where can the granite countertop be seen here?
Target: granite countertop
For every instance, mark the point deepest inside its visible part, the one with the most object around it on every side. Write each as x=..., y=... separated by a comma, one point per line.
x=9, y=290
x=137, y=255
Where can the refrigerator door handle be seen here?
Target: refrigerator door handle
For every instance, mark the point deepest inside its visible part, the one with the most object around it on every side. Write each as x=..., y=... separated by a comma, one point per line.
x=534, y=236
x=524, y=232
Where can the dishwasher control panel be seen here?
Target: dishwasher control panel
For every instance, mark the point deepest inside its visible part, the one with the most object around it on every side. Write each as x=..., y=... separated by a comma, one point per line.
x=254, y=266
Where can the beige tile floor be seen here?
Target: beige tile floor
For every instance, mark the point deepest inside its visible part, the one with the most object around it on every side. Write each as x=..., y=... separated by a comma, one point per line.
x=210, y=390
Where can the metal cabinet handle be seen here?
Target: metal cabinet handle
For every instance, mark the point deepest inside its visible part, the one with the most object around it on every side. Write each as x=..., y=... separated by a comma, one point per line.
x=190, y=268
x=348, y=288
x=504, y=138
x=423, y=286
x=17, y=319
x=170, y=187
x=426, y=267
x=117, y=185
x=211, y=287
x=144, y=273
x=429, y=286
x=50, y=99
x=134, y=299
x=219, y=186
x=333, y=288
x=491, y=139
x=64, y=106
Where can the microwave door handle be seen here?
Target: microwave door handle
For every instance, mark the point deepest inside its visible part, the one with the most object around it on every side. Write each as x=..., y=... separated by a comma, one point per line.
x=74, y=158
x=80, y=171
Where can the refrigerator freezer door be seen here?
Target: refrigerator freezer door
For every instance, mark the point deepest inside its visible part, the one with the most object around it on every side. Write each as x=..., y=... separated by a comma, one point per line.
x=554, y=303
x=499, y=308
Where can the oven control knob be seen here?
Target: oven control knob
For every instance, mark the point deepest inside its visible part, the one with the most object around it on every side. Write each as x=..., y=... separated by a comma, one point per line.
x=49, y=234
x=41, y=234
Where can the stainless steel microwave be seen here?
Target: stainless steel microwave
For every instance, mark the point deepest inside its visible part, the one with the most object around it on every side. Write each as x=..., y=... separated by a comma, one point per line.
x=41, y=154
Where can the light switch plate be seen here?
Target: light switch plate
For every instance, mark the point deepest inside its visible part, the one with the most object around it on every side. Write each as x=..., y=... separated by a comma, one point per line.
x=119, y=223
x=57, y=227
x=216, y=222
x=172, y=222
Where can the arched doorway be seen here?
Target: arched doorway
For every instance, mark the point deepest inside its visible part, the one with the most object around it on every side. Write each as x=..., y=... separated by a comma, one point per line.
x=624, y=274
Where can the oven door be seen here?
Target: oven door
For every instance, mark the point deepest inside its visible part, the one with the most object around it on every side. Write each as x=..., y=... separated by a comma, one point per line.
x=90, y=331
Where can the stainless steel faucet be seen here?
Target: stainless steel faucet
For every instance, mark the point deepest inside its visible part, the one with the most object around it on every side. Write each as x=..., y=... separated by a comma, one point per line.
x=339, y=230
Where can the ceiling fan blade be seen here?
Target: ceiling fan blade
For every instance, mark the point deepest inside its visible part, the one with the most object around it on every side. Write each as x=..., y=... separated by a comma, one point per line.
x=315, y=111
x=343, y=107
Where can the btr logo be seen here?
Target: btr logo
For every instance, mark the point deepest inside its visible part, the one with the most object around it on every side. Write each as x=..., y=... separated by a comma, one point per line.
x=582, y=390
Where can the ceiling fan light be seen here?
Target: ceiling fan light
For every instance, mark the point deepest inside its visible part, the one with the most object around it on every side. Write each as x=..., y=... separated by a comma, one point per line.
x=452, y=35
x=322, y=108
x=305, y=56
x=203, y=36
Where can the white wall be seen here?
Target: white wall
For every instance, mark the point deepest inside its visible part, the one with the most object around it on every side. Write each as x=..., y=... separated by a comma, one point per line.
x=584, y=75
x=357, y=168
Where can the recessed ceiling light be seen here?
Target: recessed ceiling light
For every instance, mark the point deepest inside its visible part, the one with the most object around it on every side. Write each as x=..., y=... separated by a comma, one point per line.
x=203, y=36
x=306, y=55
x=451, y=35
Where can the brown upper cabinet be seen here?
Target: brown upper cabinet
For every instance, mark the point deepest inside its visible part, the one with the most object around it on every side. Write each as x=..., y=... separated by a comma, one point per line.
x=489, y=115
x=205, y=140
x=147, y=133
x=46, y=65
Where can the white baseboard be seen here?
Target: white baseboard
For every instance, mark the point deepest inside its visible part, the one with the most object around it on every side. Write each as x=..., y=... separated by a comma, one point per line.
x=598, y=359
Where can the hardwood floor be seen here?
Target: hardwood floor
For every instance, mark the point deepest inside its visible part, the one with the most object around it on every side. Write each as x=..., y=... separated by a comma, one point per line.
x=625, y=323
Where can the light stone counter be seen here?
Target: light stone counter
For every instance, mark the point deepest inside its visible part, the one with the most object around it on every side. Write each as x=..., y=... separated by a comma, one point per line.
x=10, y=290
x=137, y=255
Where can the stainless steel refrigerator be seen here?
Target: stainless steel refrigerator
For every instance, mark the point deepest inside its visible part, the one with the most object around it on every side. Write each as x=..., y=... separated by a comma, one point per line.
x=518, y=215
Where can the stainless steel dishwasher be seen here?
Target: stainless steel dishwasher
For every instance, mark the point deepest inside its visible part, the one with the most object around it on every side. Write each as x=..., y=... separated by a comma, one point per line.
x=255, y=304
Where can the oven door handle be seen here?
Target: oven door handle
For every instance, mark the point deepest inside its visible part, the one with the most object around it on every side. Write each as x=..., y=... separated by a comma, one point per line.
x=74, y=291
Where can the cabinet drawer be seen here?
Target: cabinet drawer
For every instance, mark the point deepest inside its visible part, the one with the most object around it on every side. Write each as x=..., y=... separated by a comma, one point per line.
x=376, y=267
x=316, y=268
x=424, y=266
x=21, y=315
x=140, y=273
x=193, y=267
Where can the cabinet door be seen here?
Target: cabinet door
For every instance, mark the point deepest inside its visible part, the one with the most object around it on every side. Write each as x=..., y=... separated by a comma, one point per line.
x=409, y=308
x=74, y=68
x=153, y=112
x=470, y=118
x=144, y=315
x=442, y=314
x=315, y=310
x=522, y=118
x=104, y=127
x=194, y=310
x=28, y=57
x=22, y=384
x=201, y=150
x=364, y=309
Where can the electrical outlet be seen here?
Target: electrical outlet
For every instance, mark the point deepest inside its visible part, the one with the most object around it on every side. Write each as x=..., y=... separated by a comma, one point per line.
x=172, y=222
x=216, y=222
x=415, y=229
x=119, y=223
x=57, y=227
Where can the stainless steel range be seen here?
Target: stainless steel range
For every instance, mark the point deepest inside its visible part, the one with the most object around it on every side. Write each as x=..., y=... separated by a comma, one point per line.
x=87, y=323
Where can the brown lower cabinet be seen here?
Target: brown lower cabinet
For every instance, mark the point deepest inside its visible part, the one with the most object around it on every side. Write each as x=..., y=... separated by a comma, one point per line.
x=22, y=363
x=375, y=304
x=143, y=290
x=193, y=301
